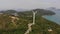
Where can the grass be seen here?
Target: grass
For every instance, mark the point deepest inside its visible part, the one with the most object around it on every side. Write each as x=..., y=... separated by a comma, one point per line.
x=41, y=26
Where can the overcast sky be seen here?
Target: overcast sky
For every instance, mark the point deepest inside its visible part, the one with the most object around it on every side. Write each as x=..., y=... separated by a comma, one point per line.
x=28, y=4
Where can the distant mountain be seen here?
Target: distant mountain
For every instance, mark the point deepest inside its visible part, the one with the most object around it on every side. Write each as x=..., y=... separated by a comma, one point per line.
x=28, y=12
x=20, y=10
x=56, y=10
x=40, y=12
x=53, y=9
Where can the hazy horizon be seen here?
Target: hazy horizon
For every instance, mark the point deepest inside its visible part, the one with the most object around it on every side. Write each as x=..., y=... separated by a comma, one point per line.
x=28, y=4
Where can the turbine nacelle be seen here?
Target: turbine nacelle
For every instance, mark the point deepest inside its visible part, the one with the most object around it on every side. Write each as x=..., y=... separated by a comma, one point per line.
x=34, y=12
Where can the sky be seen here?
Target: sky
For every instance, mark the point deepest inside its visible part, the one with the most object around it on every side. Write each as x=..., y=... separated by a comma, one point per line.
x=28, y=4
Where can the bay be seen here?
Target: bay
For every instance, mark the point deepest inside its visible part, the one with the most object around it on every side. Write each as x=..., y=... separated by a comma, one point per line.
x=55, y=18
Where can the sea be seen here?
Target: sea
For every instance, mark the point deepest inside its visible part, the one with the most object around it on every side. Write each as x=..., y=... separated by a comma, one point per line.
x=55, y=18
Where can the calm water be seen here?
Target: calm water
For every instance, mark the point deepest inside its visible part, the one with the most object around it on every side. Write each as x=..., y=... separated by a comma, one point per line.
x=54, y=18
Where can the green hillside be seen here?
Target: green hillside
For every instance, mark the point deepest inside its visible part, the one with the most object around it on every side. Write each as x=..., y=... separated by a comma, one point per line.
x=20, y=25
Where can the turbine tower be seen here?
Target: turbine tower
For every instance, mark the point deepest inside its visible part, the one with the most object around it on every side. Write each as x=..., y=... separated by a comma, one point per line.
x=34, y=13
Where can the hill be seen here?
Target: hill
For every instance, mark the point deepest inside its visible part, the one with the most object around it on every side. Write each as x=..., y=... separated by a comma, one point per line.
x=11, y=24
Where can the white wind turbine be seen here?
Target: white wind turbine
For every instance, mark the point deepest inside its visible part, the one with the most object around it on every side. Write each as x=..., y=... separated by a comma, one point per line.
x=34, y=14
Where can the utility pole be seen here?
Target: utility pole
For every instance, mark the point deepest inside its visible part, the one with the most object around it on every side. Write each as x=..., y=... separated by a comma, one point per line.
x=34, y=14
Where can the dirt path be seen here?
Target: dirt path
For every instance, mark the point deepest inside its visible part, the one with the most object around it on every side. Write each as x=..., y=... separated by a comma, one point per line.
x=29, y=28
x=13, y=20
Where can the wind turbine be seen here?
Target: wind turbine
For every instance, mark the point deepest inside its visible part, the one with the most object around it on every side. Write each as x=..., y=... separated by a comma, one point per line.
x=34, y=14
x=30, y=24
